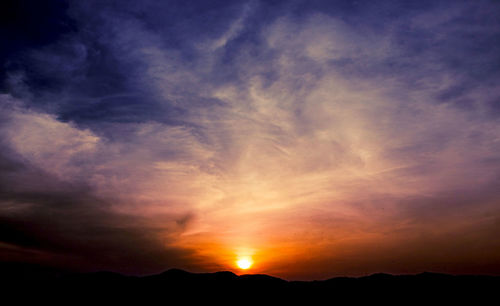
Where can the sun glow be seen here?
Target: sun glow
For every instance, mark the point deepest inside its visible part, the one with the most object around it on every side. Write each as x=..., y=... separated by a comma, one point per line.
x=244, y=263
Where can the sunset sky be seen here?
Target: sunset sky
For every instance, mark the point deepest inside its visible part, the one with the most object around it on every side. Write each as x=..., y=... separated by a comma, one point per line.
x=314, y=138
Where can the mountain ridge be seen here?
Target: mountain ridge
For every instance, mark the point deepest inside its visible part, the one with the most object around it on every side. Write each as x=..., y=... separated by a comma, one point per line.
x=24, y=271
x=228, y=287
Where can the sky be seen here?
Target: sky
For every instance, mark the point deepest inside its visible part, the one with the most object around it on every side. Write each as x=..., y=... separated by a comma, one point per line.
x=315, y=138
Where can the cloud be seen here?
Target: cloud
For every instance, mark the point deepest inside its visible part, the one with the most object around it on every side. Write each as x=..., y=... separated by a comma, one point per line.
x=53, y=200
x=184, y=145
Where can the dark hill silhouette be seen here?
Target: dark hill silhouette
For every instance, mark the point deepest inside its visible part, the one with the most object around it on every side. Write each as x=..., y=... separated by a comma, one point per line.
x=27, y=282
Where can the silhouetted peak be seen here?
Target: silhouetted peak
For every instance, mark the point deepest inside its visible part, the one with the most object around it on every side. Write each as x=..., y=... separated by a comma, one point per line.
x=175, y=272
x=225, y=275
x=379, y=276
x=105, y=275
x=433, y=276
x=338, y=279
x=261, y=278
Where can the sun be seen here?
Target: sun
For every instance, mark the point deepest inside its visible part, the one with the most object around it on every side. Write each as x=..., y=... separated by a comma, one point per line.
x=244, y=263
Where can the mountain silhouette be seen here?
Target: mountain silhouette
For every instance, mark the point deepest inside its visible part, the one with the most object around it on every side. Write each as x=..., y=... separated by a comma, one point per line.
x=24, y=282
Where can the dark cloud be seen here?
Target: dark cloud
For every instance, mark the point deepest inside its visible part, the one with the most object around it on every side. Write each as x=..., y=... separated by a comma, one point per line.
x=41, y=213
x=27, y=25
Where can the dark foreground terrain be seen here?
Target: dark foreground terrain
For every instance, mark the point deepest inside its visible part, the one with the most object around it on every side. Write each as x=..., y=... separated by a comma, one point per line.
x=23, y=283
